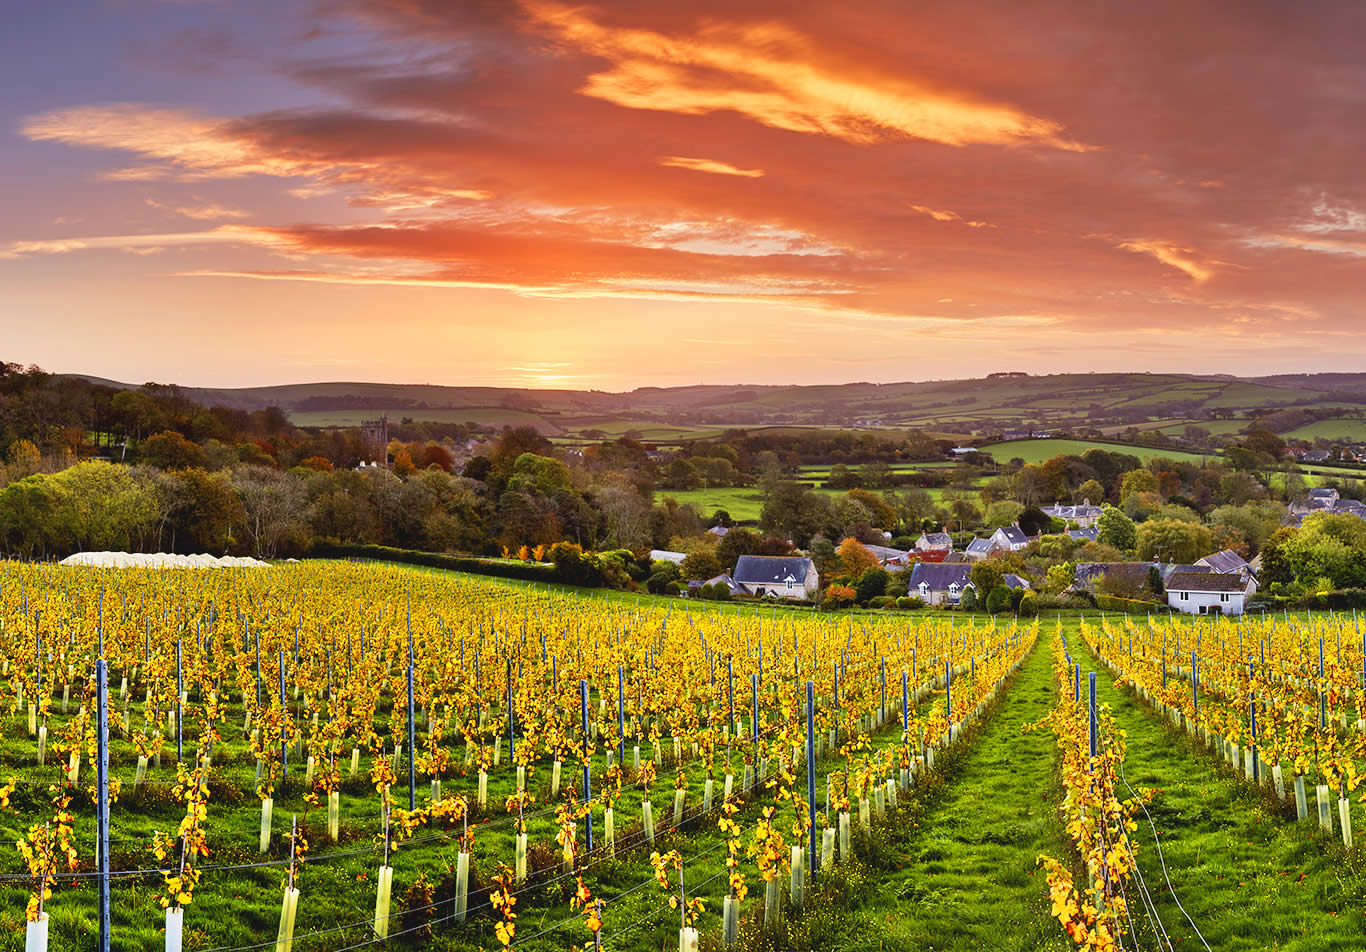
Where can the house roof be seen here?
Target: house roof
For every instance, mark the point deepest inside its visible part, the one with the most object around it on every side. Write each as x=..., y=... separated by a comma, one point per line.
x=939, y=575
x=1320, y=493
x=1090, y=534
x=1225, y=561
x=661, y=555
x=1011, y=580
x=1089, y=572
x=722, y=578
x=718, y=531
x=767, y=569
x=1083, y=511
x=886, y=553
x=936, y=540
x=1014, y=534
x=1205, y=582
x=982, y=546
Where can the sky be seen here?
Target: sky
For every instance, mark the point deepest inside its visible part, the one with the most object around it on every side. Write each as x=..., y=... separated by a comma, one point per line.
x=641, y=192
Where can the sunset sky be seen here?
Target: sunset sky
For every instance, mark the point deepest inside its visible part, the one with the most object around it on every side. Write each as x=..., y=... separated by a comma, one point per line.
x=617, y=194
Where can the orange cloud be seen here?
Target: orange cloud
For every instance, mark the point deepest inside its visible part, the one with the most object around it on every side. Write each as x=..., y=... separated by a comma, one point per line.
x=709, y=165
x=775, y=76
x=1169, y=254
x=938, y=215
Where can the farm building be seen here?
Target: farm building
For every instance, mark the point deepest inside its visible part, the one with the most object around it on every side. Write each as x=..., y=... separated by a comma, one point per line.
x=777, y=576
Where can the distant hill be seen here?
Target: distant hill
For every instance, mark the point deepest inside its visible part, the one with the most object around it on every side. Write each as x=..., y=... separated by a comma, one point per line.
x=967, y=406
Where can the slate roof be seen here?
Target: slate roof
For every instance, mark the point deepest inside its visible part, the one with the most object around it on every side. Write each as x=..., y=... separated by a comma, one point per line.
x=886, y=553
x=1320, y=493
x=1083, y=511
x=767, y=569
x=718, y=531
x=1090, y=535
x=1205, y=582
x=1011, y=580
x=1225, y=562
x=936, y=540
x=1014, y=534
x=938, y=575
x=979, y=547
x=661, y=555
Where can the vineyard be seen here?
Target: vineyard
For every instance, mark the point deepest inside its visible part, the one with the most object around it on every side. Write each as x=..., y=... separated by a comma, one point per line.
x=328, y=756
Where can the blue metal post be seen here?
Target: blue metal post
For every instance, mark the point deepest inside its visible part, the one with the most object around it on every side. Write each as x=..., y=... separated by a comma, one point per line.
x=284, y=716
x=179, y=710
x=102, y=791
x=621, y=711
x=811, y=772
x=754, y=717
x=587, y=768
x=1095, y=725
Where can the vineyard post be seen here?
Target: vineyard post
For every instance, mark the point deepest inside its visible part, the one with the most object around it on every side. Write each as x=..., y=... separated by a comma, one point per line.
x=102, y=790
x=811, y=773
x=1195, y=693
x=284, y=711
x=587, y=768
x=621, y=714
x=1323, y=697
x=730, y=694
x=1252, y=711
x=754, y=718
x=948, y=693
x=412, y=732
x=511, y=710
x=1094, y=732
x=179, y=709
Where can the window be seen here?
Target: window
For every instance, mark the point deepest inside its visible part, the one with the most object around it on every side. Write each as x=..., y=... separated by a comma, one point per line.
x=1223, y=597
x=1185, y=596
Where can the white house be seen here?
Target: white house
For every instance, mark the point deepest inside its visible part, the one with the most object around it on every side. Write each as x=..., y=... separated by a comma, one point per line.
x=1209, y=593
x=777, y=576
x=1084, y=515
x=1009, y=539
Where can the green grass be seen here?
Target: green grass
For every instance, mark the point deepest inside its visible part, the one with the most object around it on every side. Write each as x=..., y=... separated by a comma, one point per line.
x=1248, y=874
x=1037, y=451
x=487, y=416
x=1346, y=429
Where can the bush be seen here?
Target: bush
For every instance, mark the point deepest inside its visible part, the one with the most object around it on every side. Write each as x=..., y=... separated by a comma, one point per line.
x=1113, y=603
x=837, y=597
x=1016, y=596
x=909, y=603
x=672, y=588
x=1029, y=606
x=968, y=601
x=871, y=584
x=881, y=601
x=998, y=600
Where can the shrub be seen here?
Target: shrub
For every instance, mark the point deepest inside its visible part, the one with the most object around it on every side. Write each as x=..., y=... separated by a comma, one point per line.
x=837, y=597
x=998, y=600
x=968, y=601
x=881, y=601
x=672, y=588
x=909, y=603
x=1029, y=606
x=871, y=584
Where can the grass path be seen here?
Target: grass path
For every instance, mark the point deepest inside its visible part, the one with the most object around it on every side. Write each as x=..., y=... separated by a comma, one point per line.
x=964, y=875
x=1248, y=874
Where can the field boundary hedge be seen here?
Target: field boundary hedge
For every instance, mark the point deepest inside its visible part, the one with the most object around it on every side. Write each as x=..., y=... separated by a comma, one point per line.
x=524, y=571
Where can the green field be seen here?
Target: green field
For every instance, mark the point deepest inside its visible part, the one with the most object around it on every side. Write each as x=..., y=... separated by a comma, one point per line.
x=1349, y=429
x=485, y=416
x=1037, y=451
